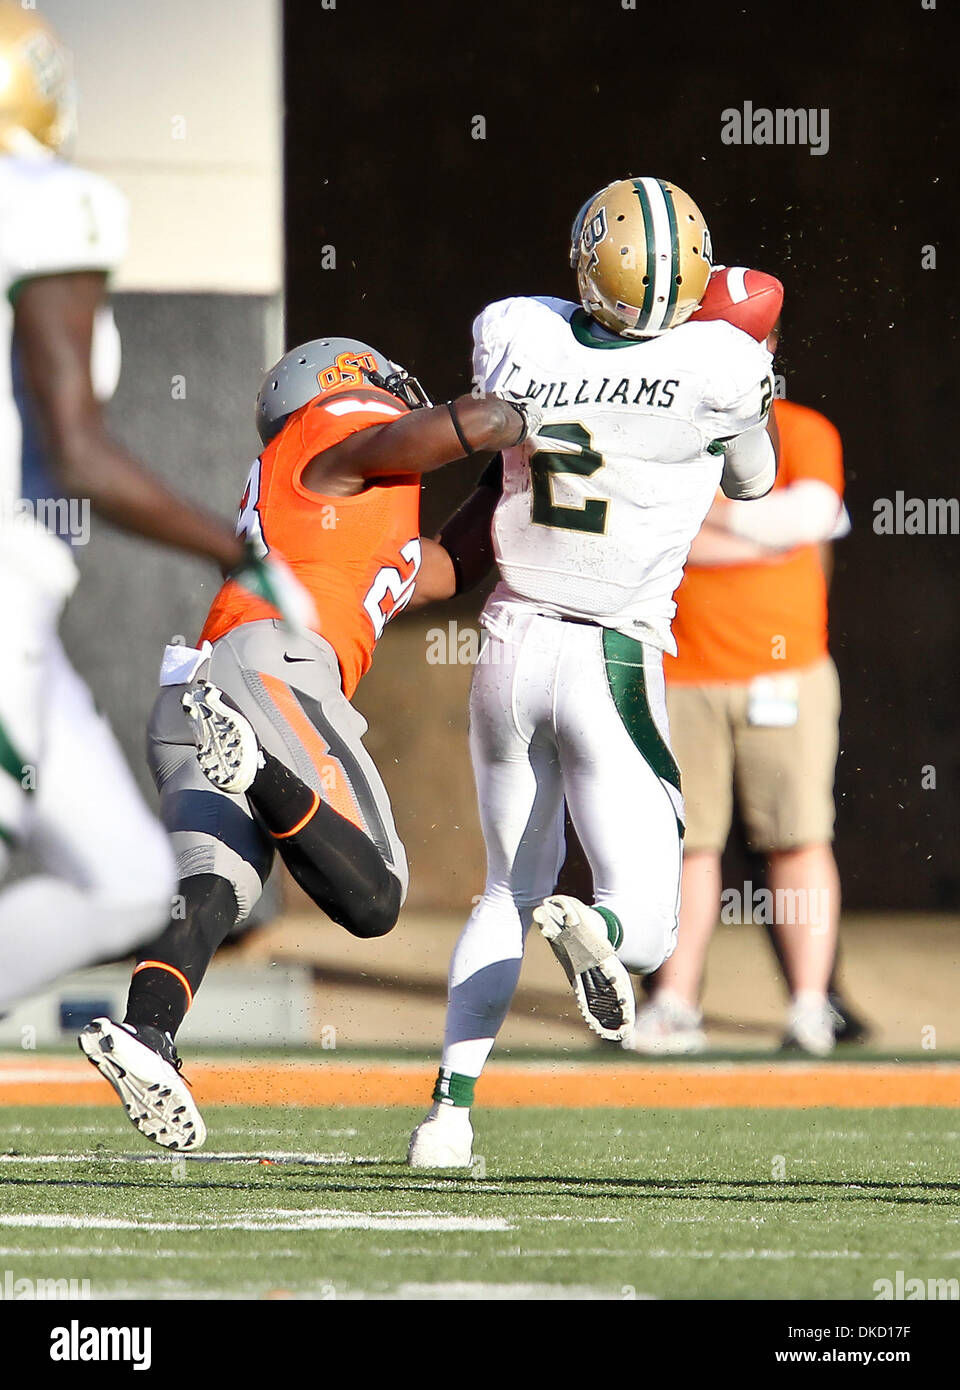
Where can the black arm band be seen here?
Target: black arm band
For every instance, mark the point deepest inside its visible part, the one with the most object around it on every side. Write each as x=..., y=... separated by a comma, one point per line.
x=519, y=407
x=465, y=444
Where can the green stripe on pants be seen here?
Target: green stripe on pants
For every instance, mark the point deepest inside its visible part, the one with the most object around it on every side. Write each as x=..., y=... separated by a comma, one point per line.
x=623, y=658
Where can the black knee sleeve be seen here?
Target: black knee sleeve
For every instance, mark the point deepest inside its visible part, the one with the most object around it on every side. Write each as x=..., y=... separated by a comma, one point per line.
x=358, y=892
x=334, y=861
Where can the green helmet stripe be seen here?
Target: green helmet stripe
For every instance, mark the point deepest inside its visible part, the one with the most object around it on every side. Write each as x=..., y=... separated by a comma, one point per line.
x=675, y=250
x=648, y=294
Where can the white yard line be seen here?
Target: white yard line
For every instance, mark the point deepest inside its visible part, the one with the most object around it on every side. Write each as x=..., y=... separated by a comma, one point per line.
x=468, y=1291
x=130, y=1252
x=256, y=1156
x=581, y=1220
x=317, y=1219
x=463, y=1290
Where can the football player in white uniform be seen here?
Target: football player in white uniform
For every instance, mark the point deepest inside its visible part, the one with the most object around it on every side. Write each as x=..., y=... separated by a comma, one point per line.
x=644, y=414
x=107, y=871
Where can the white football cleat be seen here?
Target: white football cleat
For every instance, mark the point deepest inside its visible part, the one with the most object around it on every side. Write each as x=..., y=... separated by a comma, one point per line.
x=227, y=747
x=443, y=1139
x=578, y=938
x=147, y=1079
x=812, y=1025
x=667, y=1026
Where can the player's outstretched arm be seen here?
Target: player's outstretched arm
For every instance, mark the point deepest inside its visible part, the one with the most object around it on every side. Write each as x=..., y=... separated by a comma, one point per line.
x=424, y=440
x=54, y=318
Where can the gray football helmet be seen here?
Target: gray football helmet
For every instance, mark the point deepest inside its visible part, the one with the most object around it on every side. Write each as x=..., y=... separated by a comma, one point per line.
x=326, y=364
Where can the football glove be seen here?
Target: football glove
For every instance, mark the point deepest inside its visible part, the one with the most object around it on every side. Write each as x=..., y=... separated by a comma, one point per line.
x=531, y=416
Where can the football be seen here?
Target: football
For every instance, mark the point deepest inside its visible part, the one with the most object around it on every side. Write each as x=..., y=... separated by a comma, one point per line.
x=748, y=299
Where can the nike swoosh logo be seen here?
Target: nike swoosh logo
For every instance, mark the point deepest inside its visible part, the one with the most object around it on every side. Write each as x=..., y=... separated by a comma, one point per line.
x=297, y=658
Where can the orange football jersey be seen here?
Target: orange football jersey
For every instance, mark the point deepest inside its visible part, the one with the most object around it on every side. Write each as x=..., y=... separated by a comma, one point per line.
x=358, y=556
x=733, y=621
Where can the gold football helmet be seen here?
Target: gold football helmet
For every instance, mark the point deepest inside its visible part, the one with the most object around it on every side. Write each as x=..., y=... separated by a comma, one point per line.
x=642, y=254
x=36, y=85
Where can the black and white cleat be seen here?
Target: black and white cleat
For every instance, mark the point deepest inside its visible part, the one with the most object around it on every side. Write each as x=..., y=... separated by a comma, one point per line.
x=144, y=1070
x=227, y=747
x=578, y=938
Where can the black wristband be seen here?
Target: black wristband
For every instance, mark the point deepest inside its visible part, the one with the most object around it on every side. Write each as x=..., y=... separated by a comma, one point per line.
x=465, y=444
x=520, y=408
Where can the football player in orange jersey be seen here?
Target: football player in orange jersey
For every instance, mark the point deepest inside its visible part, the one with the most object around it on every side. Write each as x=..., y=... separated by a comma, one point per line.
x=253, y=742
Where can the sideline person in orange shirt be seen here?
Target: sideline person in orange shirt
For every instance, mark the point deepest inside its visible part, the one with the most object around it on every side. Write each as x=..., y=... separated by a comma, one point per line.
x=754, y=702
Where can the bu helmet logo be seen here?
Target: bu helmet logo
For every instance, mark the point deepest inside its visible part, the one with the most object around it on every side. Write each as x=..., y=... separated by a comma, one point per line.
x=594, y=231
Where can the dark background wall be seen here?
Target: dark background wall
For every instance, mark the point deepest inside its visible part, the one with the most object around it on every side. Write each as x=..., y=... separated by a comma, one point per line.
x=429, y=224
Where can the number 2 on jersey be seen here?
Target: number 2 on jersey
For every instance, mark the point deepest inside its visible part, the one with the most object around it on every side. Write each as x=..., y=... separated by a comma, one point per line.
x=544, y=464
x=389, y=584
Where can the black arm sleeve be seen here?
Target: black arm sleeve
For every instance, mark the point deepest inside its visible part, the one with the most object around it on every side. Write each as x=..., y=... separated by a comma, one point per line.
x=466, y=536
x=492, y=475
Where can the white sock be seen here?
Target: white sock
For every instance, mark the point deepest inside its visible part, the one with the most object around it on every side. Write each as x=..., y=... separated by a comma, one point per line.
x=810, y=999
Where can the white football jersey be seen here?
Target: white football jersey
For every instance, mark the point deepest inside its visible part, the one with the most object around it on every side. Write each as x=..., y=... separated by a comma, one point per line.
x=599, y=509
x=54, y=218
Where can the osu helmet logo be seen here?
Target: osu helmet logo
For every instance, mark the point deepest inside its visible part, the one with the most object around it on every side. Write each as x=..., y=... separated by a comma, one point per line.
x=347, y=370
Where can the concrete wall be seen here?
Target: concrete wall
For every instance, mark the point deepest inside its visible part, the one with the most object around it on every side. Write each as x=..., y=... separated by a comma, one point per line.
x=180, y=105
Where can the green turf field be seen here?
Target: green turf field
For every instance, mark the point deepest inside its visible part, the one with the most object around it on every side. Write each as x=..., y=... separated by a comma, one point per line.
x=611, y=1203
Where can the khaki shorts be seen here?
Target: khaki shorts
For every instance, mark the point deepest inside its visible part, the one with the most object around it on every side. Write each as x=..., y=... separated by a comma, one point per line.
x=783, y=776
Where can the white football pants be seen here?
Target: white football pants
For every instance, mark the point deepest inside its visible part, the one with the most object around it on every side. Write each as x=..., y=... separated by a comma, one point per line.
x=107, y=870
x=563, y=711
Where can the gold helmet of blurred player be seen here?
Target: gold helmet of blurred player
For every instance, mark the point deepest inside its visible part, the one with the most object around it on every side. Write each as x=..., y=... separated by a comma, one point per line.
x=36, y=85
x=642, y=254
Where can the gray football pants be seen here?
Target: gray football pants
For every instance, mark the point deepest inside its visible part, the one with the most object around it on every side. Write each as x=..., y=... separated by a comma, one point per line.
x=289, y=688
